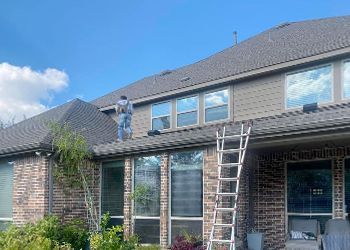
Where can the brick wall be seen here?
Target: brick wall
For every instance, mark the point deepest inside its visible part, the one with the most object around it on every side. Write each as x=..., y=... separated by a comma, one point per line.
x=30, y=189
x=128, y=228
x=164, y=199
x=268, y=189
x=68, y=202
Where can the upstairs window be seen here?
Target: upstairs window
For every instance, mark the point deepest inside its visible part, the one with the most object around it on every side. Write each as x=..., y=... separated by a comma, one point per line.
x=309, y=86
x=187, y=111
x=161, y=115
x=346, y=79
x=216, y=106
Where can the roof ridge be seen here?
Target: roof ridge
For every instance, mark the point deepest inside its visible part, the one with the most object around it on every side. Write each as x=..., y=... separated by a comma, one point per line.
x=64, y=117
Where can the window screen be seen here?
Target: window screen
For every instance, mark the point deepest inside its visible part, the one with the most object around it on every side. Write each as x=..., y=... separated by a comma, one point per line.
x=309, y=189
x=161, y=116
x=187, y=111
x=112, y=193
x=346, y=79
x=186, y=193
x=309, y=86
x=147, y=202
x=216, y=106
x=6, y=188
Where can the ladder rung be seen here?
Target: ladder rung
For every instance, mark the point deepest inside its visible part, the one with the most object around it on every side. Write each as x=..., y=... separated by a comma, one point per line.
x=222, y=241
x=224, y=225
x=229, y=179
x=227, y=194
x=231, y=136
x=226, y=209
x=234, y=164
x=233, y=150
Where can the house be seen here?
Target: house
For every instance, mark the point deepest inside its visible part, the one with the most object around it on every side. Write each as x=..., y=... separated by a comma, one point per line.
x=297, y=164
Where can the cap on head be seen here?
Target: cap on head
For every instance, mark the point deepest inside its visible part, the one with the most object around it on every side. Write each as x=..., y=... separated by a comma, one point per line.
x=123, y=97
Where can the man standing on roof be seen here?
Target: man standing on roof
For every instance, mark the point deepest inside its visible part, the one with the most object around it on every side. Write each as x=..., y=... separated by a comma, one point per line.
x=124, y=110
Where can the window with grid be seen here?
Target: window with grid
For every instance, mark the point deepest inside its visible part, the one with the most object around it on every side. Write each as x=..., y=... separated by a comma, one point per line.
x=187, y=111
x=161, y=116
x=186, y=176
x=309, y=86
x=147, y=200
x=216, y=106
x=112, y=191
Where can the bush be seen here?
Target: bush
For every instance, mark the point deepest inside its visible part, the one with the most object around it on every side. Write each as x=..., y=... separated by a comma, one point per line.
x=111, y=238
x=187, y=242
x=149, y=247
x=46, y=234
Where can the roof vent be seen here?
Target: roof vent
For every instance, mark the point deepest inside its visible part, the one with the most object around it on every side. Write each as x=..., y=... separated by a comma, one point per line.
x=165, y=72
x=310, y=107
x=185, y=79
x=282, y=25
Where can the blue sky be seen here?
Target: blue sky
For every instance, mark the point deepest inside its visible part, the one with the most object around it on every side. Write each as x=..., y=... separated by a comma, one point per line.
x=103, y=45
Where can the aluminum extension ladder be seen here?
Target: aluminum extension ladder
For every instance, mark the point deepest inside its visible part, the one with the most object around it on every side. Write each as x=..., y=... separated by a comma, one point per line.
x=238, y=153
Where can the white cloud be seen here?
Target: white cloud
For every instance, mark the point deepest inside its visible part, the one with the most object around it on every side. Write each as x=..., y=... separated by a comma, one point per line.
x=217, y=98
x=26, y=92
x=315, y=84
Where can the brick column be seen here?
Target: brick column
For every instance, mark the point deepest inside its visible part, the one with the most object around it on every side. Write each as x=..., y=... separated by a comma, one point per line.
x=30, y=189
x=127, y=199
x=210, y=173
x=164, y=200
x=338, y=195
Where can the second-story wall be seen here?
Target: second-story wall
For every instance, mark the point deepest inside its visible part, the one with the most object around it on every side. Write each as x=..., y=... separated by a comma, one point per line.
x=258, y=98
x=249, y=99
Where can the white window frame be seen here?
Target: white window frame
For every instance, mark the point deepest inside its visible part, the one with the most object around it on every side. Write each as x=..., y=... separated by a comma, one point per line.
x=305, y=70
x=187, y=111
x=170, y=114
x=286, y=192
x=9, y=219
x=342, y=79
x=140, y=217
x=215, y=106
x=170, y=217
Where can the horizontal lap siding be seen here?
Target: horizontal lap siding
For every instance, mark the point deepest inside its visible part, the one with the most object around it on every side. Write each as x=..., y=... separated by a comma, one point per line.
x=141, y=121
x=258, y=98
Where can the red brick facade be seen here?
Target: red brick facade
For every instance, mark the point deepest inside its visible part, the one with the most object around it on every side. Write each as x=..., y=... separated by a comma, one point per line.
x=30, y=189
x=261, y=201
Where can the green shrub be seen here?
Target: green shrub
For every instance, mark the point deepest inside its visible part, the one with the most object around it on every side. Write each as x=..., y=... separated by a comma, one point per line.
x=111, y=238
x=46, y=234
x=149, y=247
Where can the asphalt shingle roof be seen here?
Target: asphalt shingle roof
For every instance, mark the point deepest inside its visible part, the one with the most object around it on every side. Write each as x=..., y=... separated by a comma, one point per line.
x=34, y=133
x=277, y=45
x=334, y=118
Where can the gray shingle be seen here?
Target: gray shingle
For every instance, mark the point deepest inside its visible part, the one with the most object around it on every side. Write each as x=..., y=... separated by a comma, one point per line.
x=34, y=133
x=274, y=46
x=327, y=119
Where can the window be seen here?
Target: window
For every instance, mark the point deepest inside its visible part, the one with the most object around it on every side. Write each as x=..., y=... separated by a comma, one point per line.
x=147, y=205
x=347, y=185
x=187, y=111
x=216, y=106
x=309, y=190
x=186, y=193
x=112, y=192
x=161, y=118
x=310, y=86
x=346, y=79
x=6, y=187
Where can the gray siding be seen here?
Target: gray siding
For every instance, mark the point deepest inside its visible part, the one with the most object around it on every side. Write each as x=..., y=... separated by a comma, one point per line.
x=141, y=120
x=258, y=98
